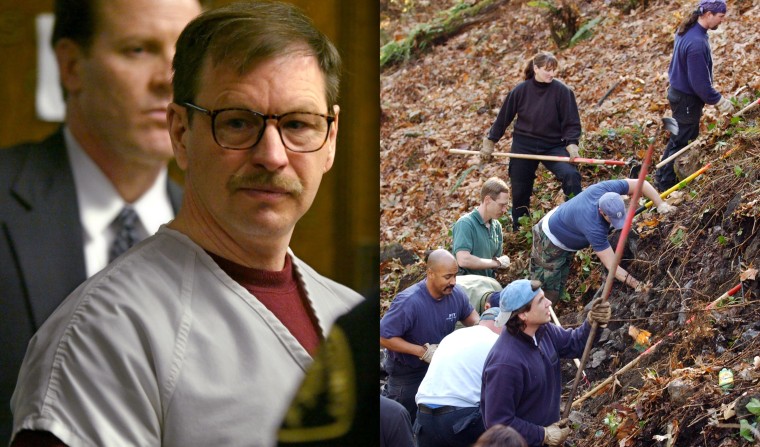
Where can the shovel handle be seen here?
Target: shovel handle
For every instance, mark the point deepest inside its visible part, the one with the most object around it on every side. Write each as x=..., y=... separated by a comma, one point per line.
x=677, y=154
x=556, y=321
x=595, y=161
x=752, y=105
x=676, y=187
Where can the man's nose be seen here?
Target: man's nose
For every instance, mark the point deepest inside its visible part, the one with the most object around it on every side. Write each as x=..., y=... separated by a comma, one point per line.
x=270, y=152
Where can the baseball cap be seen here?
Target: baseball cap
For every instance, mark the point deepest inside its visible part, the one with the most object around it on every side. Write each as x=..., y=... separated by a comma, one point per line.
x=490, y=314
x=517, y=294
x=612, y=205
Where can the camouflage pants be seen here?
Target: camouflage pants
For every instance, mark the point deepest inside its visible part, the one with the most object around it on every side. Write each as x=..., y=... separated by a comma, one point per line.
x=549, y=264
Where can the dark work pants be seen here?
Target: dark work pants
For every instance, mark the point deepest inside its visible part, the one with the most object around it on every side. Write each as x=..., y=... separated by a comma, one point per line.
x=459, y=428
x=403, y=389
x=687, y=110
x=522, y=175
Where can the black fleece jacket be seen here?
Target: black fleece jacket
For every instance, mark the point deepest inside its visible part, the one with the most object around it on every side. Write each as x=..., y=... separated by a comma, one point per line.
x=545, y=111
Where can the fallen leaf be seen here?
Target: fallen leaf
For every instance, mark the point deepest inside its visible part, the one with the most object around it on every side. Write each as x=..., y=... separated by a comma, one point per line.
x=728, y=410
x=749, y=274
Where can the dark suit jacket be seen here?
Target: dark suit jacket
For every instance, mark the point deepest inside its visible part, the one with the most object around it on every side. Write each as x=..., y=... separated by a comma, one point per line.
x=41, y=249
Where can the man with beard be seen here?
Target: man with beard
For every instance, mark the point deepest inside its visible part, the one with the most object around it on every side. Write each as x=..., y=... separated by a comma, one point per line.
x=691, y=81
x=417, y=321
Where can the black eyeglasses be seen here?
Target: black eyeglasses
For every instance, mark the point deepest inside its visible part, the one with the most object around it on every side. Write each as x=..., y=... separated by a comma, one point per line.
x=242, y=129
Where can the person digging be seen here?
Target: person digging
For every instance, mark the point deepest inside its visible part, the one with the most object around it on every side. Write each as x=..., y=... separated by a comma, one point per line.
x=584, y=221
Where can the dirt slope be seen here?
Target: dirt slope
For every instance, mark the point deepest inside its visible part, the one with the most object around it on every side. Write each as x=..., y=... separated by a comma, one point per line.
x=448, y=97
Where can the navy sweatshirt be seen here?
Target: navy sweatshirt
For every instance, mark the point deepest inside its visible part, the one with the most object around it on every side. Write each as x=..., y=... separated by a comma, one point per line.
x=522, y=382
x=545, y=111
x=691, y=67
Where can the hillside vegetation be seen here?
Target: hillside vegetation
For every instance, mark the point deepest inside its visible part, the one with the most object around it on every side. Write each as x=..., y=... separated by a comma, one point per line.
x=444, y=93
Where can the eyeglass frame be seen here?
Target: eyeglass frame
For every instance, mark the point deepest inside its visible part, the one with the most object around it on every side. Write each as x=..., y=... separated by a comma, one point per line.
x=214, y=113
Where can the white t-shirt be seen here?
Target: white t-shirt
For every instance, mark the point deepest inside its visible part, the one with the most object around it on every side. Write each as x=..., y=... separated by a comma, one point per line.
x=455, y=374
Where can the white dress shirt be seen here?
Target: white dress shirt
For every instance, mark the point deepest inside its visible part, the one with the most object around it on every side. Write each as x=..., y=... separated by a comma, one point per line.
x=100, y=203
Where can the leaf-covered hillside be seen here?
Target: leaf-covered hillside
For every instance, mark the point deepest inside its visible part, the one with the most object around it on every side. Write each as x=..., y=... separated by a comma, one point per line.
x=463, y=60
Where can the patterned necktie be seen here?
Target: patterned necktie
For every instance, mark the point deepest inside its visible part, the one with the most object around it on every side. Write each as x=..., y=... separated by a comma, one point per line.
x=125, y=225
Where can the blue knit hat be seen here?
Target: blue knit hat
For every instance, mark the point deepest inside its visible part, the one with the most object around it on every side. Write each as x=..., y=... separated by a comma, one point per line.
x=714, y=6
x=514, y=296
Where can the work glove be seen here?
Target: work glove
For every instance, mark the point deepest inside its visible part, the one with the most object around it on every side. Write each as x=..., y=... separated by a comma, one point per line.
x=427, y=357
x=486, y=150
x=572, y=149
x=503, y=262
x=643, y=287
x=725, y=106
x=600, y=312
x=665, y=208
x=556, y=433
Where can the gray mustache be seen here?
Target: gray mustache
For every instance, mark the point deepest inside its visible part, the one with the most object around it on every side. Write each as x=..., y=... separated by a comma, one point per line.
x=265, y=180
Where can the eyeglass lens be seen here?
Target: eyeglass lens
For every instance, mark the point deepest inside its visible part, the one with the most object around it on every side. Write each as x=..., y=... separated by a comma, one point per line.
x=242, y=129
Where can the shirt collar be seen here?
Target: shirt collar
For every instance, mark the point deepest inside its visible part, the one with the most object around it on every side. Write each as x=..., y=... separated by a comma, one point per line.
x=479, y=217
x=100, y=203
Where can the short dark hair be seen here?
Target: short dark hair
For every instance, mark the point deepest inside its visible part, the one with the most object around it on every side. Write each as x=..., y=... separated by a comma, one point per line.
x=244, y=33
x=501, y=436
x=75, y=20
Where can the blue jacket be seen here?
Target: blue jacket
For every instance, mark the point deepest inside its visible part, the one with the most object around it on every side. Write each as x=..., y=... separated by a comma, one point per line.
x=522, y=382
x=691, y=67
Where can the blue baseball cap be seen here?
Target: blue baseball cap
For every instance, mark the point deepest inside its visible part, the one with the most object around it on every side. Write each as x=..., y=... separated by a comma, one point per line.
x=517, y=294
x=612, y=205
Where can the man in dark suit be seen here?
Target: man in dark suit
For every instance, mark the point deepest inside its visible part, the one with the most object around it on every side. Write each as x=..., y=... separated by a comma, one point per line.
x=73, y=202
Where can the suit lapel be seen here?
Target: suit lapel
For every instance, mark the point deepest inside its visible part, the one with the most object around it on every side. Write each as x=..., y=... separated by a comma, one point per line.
x=45, y=188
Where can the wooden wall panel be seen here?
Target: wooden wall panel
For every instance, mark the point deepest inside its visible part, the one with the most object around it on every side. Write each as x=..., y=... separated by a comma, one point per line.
x=18, y=75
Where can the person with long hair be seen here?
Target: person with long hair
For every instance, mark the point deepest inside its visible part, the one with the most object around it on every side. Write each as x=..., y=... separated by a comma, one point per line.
x=547, y=123
x=691, y=81
x=522, y=379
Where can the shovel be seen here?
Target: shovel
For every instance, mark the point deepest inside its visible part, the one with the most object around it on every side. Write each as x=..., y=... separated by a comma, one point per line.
x=685, y=181
x=595, y=161
x=635, y=169
x=668, y=124
x=751, y=106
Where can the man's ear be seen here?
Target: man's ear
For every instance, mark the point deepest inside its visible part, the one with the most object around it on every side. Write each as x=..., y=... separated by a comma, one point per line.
x=177, y=120
x=332, y=139
x=69, y=55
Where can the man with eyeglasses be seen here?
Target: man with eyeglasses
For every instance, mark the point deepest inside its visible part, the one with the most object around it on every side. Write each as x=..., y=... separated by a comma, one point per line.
x=478, y=238
x=202, y=334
